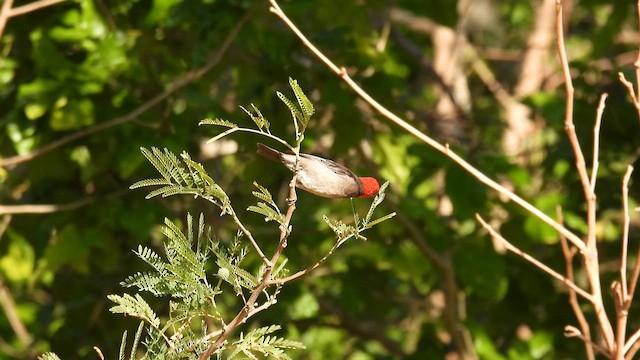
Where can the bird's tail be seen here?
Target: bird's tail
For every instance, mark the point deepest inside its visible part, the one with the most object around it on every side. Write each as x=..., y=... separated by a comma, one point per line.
x=269, y=153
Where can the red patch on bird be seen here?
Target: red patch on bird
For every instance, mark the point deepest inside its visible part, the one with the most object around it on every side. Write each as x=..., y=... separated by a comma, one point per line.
x=370, y=186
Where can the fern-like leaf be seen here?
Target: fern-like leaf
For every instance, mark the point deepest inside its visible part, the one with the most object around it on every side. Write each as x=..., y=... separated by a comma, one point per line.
x=257, y=118
x=258, y=341
x=268, y=213
x=149, y=182
x=295, y=111
x=134, y=306
x=152, y=258
x=305, y=105
x=185, y=177
x=123, y=345
x=218, y=122
x=377, y=200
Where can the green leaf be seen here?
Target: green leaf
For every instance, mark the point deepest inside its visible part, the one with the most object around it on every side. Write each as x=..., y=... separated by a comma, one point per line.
x=218, y=122
x=134, y=306
x=268, y=212
x=295, y=112
x=268, y=208
x=257, y=118
x=305, y=105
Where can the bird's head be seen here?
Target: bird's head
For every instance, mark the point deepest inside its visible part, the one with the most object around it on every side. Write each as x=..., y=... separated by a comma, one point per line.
x=370, y=187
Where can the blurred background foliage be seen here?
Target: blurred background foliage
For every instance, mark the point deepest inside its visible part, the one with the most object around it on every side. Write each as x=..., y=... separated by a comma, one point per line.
x=117, y=76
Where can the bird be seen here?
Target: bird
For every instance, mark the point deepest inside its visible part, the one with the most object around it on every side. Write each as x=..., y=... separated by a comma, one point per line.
x=323, y=177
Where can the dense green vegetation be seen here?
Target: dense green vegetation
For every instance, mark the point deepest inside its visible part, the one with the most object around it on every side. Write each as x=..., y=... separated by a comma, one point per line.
x=85, y=84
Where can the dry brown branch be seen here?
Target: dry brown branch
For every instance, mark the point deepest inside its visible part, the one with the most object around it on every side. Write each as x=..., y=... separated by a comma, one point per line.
x=596, y=141
x=569, y=253
x=625, y=235
x=633, y=341
x=570, y=331
x=342, y=73
x=6, y=220
x=570, y=284
x=590, y=256
x=249, y=236
x=9, y=308
x=8, y=12
x=36, y=5
x=5, y=14
x=44, y=208
x=176, y=85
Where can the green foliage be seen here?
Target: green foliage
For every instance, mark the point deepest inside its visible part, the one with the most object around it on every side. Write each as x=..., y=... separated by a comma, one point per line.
x=257, y=341
x=182, y=277
x=301, y=112
x=267, y=206
x=186, y=178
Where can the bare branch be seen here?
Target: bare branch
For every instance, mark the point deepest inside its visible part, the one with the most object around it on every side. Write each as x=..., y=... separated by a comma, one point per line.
x=590, y=256
x=5, y=14
x=34, y=6
x=534, y=261
x=570, y=331
x=9, y=307
x=627, y=295
x=249, y=236
x=633, y=339
x=596, y=141
x=569, y=253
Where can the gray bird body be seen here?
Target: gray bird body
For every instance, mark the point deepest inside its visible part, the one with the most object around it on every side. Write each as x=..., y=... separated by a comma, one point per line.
x=319, y=176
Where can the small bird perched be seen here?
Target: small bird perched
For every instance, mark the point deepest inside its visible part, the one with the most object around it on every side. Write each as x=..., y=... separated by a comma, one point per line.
x=323, y=177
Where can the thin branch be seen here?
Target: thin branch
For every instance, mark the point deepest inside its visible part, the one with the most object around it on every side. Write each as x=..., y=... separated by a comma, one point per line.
x=631, y=91
x=632, y=340
x=309, y=269
x=248, y=130
x=44, y=208
x=423, y=137
x=627, y=295
x=573, y=298
x=632, y=351
x=570, y=331
x=178, y=84
x=36, y=5
x=590, y=256
x=570, y=284
x=9, y=307
x=5, y=14
x=6, y=220
x=249, y=236
x=53, y=208
x=596, y=141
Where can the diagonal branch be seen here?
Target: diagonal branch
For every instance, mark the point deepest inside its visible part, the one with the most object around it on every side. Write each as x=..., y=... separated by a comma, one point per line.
x=570, y=284
x=569, y=253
